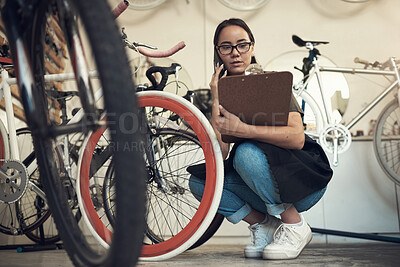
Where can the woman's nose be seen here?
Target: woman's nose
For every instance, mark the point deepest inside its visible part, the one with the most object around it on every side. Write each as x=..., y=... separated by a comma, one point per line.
x=235, y=53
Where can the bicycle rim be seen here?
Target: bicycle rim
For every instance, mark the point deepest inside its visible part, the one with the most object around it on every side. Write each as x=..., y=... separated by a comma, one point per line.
x=313, y=120
x=183, y=230
x=244, y=5
x=90, y=51
x=387, y=141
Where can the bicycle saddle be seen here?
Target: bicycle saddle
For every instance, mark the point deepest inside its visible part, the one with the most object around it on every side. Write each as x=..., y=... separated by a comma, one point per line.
x=61, y=94
x=300, y=42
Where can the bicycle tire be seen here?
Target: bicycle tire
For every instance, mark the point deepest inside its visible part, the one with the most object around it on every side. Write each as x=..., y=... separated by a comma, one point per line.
x=386, y=141
x=313, y=119
x=116, y=84
x=244, y=5
x=193, y=229
x=142, y=4
x=211, y=230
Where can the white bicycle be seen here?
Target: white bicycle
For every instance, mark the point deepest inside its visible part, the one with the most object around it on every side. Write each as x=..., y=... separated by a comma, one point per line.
x=334, y=136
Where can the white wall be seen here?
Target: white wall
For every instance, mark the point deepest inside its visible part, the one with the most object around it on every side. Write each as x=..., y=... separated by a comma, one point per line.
x=368, y=30
x=360, y=197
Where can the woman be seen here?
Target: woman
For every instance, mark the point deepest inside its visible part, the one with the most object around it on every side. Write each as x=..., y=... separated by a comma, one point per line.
x=274, y=171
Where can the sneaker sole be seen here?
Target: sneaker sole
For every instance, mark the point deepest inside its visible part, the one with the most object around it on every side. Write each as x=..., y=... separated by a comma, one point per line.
x=285, y=255
x=253, y=254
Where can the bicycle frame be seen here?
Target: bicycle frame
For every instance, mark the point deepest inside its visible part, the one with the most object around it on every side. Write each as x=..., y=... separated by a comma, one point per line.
x=316, y=71
x=5, y=90
x=373, y=103
x=330, y=128
x=12, y=132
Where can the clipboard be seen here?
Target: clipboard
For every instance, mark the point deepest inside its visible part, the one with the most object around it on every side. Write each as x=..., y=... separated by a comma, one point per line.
x=257, y=99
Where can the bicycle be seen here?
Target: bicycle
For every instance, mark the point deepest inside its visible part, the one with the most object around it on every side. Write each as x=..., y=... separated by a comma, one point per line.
x=23, y=208
x=31, y=212
x=335, y=137
x=24, y=211
x=25, y=24
x=177, y=135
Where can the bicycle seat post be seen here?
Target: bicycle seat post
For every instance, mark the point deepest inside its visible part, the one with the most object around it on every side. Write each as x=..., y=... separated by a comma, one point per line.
x=309, y=46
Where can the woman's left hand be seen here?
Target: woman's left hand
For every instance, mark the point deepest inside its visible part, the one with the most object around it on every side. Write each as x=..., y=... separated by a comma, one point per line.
x=230, y=124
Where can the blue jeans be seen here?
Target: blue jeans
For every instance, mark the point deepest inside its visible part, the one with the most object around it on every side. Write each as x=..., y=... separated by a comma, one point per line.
x=250, y=185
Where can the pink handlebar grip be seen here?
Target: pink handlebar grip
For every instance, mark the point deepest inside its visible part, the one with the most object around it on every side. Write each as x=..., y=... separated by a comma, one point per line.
x=121, y=7
x=159, y=54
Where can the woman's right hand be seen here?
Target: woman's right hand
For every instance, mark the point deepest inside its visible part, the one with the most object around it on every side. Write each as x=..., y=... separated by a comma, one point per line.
x=214, y=81
x=215, y=108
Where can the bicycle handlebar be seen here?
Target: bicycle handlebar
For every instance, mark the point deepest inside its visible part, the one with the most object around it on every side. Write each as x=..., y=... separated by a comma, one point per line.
x=160, y=54
x=376, y=64
x=361, y=61
x=165, y=72
x=121, y=7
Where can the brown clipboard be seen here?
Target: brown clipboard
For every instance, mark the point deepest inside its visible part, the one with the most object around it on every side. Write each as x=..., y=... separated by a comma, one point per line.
x=257, y=99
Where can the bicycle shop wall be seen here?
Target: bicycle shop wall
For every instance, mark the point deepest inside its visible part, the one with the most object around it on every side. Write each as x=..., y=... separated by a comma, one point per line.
x=367, y=30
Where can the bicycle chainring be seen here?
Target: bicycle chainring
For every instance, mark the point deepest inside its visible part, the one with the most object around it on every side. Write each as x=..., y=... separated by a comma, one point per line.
x=13, y=180
x=326, y=138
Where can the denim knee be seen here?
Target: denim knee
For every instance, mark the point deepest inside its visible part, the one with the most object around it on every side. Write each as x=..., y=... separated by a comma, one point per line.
x=252, y=165
x=196, y=186
x=245, y=151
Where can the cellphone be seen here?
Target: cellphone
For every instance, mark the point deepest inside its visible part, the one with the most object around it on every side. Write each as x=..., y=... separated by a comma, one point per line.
x=219, y=60
x=222, y=72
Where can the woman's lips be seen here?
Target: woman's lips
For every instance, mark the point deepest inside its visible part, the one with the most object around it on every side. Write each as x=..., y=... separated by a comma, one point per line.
x=236, y=63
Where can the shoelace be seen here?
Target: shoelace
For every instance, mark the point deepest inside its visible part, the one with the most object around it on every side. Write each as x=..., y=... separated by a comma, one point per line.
x=252, y=235
x=286, y=233
x=253, y=230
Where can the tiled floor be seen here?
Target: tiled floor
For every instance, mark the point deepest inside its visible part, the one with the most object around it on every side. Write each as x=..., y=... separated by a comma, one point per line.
x=372, y=254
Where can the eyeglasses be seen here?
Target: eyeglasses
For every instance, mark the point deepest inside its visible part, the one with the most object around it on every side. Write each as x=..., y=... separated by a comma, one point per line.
x=227, y=49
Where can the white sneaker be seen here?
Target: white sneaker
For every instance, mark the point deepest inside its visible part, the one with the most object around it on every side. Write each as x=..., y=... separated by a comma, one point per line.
x=289, y=241
x=261, y=235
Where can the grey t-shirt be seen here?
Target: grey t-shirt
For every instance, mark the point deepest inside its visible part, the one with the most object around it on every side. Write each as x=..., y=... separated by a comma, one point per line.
x=294, y=106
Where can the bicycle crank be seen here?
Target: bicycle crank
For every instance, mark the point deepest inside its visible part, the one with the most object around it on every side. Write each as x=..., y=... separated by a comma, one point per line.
x=13, y=181
x=336, y=139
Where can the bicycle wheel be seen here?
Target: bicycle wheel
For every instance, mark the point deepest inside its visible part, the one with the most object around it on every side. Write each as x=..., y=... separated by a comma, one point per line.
x=173, y=143
x=175, y=219
x=165, y=145
x=142, y=4
x=32, y=209
x=387, y=141
x=211, y=230
x=313, y=120
x=77, y=24
x=244, y=5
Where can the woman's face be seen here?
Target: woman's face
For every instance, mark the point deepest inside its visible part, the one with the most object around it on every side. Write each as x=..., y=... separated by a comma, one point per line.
x=235, y=62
